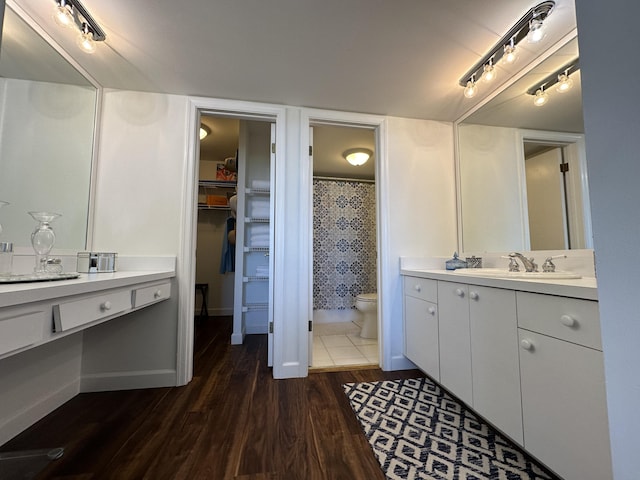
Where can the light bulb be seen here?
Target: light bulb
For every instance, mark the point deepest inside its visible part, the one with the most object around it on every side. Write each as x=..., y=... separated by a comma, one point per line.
x=204, y=131
x=510, y=54
x=86, y=43
x=537, y=31
x=358, y=158
x=471, y=89
x=564, y=83
x=63, y=15
x=541, y=97
x=489, y=72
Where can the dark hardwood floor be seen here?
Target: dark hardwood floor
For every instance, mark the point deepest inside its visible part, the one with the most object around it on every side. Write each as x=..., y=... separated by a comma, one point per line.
x=233, y=421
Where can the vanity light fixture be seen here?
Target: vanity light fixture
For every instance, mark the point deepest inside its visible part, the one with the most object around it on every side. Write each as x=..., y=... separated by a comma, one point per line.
x=560, y=78
x=471, y=89
x=510, y=54
x=489, y=71
x=72, y=12
x=541, y=97
x=204, y=131
x=357, y=156
x=505, y=49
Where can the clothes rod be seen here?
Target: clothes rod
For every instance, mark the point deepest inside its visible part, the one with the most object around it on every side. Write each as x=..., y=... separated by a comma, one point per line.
x=339, y=179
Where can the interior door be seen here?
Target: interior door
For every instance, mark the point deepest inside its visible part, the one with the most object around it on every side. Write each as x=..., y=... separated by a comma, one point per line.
x=272, y=176
x=310, y=313
x=546, y=201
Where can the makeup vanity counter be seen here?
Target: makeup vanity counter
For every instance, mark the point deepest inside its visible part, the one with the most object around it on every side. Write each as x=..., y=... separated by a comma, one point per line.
x=525, y=354
x=32, y=314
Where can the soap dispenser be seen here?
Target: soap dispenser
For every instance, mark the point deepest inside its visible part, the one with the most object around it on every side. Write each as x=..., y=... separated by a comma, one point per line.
x=455, y=263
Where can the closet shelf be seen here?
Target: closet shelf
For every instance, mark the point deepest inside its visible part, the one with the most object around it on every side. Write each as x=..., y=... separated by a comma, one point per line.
x=256, y=220
x=255, y=307
x=257, y=191
x=256, y=249
x=217, y=184
x=255, y=278
x=204, y=206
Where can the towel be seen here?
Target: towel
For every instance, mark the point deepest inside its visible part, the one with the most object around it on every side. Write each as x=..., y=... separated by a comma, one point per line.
x=228, y=255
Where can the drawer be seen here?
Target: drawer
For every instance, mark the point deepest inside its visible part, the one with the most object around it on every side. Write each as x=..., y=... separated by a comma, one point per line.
x=86, y=310
x=571, y=319
x=21, y=328
x=152, y=294
x=422, y=288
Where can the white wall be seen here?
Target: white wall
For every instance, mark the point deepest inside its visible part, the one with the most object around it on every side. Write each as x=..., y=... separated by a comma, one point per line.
x=138, y=211
x=612, y=124
x=421, y=206
x=490, y=180
x=45, y=158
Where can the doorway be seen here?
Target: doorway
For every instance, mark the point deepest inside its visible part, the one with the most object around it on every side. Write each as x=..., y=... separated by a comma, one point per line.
x=344, y=273
x=555, y=191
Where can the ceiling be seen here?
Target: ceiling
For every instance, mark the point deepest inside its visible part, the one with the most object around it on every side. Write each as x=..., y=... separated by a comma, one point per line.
x=400, y=58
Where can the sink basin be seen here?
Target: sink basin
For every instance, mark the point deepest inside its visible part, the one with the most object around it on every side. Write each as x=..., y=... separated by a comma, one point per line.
x=502, y=273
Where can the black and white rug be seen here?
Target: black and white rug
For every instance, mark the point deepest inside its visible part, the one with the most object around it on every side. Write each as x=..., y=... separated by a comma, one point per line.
x=418, y=431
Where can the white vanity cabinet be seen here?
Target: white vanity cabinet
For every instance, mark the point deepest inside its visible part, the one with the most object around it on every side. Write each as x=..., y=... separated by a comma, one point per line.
x=421, y=324
x=494, y=358
x=455, y=339
x=563, y=390
x=478, y=351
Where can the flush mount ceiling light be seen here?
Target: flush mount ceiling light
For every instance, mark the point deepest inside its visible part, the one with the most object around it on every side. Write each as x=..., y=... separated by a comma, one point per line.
x=357, y=156
x=204, y=131
x=505, y=49
x=561, y=78
x=72, y=12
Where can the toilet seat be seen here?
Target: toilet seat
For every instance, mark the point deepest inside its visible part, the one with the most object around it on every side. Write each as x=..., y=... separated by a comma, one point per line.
x=367, y=297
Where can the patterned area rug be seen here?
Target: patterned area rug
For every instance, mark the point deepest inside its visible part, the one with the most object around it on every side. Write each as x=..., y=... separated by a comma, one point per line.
x=418, y=431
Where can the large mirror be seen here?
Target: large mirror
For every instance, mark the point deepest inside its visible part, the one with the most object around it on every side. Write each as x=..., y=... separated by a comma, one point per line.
x=522, y=174
x=47, y=119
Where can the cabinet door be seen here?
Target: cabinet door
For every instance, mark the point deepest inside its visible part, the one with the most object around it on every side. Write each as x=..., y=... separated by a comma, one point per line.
x=455, y=343
x=564, y=406
x=494, y=356
x=421, y=335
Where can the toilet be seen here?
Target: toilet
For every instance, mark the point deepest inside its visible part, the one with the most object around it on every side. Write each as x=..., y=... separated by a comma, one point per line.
x=367, y=305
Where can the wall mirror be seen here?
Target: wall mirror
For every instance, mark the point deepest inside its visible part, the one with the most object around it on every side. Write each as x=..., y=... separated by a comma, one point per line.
x=522, y=178
x=47, y=120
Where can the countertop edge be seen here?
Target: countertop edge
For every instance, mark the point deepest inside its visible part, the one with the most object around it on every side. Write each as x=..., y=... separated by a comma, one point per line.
x=23, y=293
x=584, y=288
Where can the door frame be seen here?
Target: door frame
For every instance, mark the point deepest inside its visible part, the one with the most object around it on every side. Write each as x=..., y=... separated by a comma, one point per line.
x=579, y=180
x=378, y=124
x=186, y=266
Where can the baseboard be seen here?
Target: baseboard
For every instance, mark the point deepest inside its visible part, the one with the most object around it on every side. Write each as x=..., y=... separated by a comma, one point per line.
x=31, y=414
x=237, y=338
x=103, y=382
x=400, y=362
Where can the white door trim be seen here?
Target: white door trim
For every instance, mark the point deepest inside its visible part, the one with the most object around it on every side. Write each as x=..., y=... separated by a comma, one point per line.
x=186, y=267
x=385, y=268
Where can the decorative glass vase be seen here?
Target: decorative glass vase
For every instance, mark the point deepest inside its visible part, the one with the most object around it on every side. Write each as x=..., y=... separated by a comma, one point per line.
x=43, y=238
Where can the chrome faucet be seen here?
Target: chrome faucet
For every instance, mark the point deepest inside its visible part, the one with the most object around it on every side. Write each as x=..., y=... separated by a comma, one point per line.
x=529, y=264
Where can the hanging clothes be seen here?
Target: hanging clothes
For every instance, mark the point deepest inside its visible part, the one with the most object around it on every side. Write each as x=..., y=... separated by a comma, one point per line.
x=228, y=257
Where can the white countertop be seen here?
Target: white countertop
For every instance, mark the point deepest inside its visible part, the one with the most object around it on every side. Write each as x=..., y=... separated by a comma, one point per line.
x=584, y=288
x=21, y=293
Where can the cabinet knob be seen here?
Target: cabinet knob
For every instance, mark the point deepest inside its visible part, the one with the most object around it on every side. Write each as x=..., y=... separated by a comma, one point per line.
x=157, y=294
x=418, y=288
x=104, y=306
x=474, y=295
x=431, y=310
x=526, y=344
x=568, y=321
x=459, y=292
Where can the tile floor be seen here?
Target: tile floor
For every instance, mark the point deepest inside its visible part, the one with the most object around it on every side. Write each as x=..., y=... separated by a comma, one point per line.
x=340, y=344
